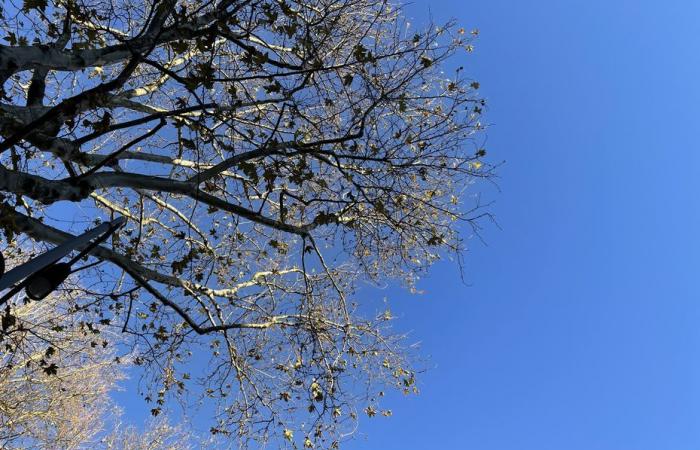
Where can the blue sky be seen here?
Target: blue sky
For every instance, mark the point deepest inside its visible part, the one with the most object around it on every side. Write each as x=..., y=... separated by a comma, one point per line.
x=581, y=325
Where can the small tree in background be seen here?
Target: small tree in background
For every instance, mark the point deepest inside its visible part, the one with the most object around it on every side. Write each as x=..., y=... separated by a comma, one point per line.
x=56, y=375
x=270, y=156
x=40, y=407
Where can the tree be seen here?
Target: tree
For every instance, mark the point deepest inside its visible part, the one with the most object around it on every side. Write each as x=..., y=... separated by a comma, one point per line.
x=270, y=156
x=159, y=434
x=43, y=408
x=40, y=408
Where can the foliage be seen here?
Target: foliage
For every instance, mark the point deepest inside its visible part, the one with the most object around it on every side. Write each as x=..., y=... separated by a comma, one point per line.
x=270, y=156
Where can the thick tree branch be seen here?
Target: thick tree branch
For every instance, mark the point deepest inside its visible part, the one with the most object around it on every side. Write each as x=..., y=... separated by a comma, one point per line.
x=68, y=106
x=76, y=189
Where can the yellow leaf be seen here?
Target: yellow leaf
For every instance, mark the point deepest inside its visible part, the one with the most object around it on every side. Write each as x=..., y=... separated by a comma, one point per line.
x=370, y=411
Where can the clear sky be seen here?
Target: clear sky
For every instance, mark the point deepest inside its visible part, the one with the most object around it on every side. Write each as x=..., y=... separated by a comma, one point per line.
x=581, y=327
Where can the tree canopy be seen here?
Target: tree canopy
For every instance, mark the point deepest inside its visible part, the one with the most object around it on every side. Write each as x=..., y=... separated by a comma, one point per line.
x=270, y=157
